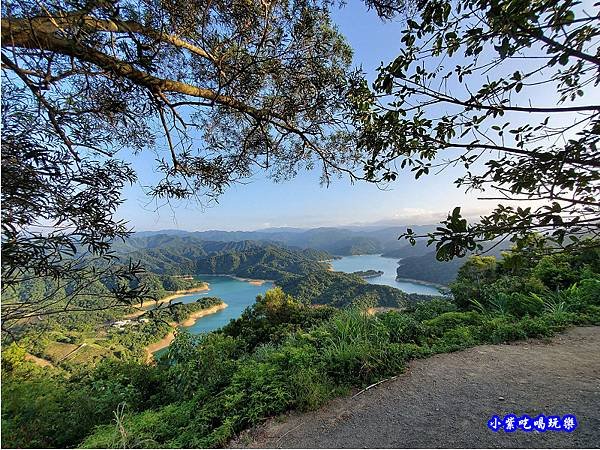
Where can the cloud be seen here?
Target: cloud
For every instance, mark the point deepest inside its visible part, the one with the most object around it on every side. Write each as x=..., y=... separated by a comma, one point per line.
x=423, y=216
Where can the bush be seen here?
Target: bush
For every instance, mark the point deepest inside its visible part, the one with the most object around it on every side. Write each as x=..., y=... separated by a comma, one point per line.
x=449, y=320
x=536, y=327
x=501, y=329
x=202, y=365
x=589, y=291
x=556, y=271
x=431, y=309
x=472, y=278
x=455, y=339
x=520, y=305
x=406, y=352
x=311, y=388
x=401, y=327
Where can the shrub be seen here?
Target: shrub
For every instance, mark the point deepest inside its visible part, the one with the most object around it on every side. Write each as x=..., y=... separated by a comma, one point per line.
x=455, y=339
x=589, y=291
x=535, y=327
x=202, y=364
x=556, y=271
x=358, y=362
x=501, y=329
x=520, y=305
x=13, y=356
x=431, y=309
x=439, y=325
x=311, y=388
x=473, y=276
x=590, y=315
x=401, y=327
x=406, y=352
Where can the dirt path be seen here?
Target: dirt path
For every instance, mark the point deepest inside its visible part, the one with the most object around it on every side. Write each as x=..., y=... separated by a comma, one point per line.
x=446, y=400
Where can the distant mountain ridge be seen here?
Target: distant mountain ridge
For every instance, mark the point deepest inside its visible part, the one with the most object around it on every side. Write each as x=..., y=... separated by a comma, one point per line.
x=335, y=240
x=415, y=262
x=176, y=255
x=301, y=272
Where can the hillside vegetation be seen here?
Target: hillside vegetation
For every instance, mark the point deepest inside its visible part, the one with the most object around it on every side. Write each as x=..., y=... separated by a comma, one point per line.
x=337, y=241
x=301, y=272
x=283, y=354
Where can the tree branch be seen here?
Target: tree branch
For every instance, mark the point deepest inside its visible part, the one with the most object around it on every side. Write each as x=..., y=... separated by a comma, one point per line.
x=53, y=24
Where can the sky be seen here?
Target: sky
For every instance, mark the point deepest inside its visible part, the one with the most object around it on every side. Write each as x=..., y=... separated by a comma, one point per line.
x=303, y=202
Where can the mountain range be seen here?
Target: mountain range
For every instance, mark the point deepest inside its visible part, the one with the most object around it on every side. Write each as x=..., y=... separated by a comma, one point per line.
x=337, y=241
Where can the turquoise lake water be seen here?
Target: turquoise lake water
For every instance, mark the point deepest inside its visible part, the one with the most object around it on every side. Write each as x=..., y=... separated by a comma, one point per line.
x=236, y=293
x=240, y=294
x=388, y=266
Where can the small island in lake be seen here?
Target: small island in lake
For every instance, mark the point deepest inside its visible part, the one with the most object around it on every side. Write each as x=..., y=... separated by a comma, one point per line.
x=368, y=273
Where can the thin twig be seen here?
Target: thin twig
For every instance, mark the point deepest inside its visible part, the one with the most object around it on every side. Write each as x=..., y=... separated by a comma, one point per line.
x=288, y=432
x=374, y=384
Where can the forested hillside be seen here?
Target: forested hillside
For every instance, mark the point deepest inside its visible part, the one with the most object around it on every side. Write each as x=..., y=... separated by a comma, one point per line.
x=337, y=241
x=427, y=267
x=342, y=289
x=301, y=272
x=282, y=355
x=166, y=254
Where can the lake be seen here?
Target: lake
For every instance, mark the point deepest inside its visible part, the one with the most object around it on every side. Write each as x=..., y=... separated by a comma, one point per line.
x=236, y=293
x=388, y=266
x=240, y=294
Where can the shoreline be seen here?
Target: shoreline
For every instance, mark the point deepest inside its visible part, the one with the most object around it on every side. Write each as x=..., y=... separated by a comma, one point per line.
x=173, y=295
x=410, y=280
x=191, y=320
x=423, y=282
x=253, y=281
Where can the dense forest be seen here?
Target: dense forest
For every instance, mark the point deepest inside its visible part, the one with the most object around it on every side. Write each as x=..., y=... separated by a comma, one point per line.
x=301, y=272
x=184, y=101
x=283, y=354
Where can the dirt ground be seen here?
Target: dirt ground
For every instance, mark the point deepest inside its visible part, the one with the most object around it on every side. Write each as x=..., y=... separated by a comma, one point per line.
x=446, y=401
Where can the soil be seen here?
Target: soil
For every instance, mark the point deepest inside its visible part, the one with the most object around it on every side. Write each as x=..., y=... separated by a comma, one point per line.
x=446, y=401
x=39, y=361
x=191, y=320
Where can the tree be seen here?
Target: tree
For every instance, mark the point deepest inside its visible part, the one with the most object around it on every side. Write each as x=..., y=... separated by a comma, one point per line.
x=503, y=88
x=216, y=89
x=477, y=273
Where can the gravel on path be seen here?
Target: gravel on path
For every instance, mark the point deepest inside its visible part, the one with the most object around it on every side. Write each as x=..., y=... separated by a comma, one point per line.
x=446, y=401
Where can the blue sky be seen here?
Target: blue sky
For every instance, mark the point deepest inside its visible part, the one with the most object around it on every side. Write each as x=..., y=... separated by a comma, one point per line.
x=302, y=202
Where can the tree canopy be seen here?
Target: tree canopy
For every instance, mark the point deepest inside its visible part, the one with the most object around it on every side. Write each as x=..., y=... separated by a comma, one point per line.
x=505, y=89
x=216, y=90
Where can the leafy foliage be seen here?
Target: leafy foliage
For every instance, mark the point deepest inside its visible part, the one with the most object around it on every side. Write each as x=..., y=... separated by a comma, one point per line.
x=469, y=88
x=88, y=85
x=281, y=354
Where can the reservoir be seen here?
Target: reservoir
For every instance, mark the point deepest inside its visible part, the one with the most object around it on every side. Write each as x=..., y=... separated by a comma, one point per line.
x=388, y=266
x=236, y=293
x=239, y=294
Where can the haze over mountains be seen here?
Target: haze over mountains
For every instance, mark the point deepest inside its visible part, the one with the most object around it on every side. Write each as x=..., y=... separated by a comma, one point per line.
x=415, y=262
x=337, y=241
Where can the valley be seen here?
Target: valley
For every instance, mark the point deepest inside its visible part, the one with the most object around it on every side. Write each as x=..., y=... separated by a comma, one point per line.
x=225, y=334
